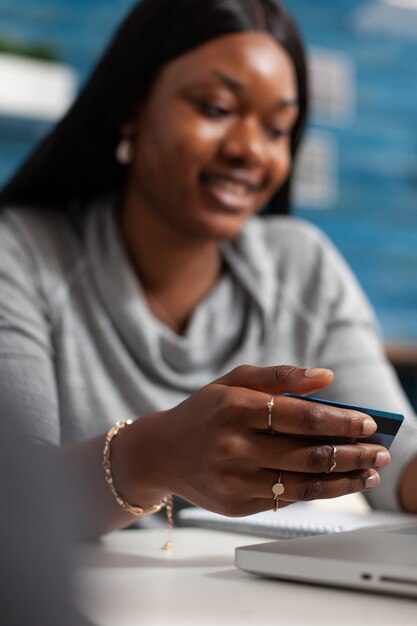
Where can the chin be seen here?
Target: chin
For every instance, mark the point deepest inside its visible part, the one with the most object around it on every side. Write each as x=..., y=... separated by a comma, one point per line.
x=223, y=227
x=222, y=223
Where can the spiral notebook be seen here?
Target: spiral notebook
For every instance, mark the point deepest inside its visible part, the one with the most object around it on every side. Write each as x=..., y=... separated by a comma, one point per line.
x=297, y=520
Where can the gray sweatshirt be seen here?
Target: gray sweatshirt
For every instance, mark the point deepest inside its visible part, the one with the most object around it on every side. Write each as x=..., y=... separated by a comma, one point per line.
x=80, y=349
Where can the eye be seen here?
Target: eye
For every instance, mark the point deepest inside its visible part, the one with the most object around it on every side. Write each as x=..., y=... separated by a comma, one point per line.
x=276, y=133
x=213, y=111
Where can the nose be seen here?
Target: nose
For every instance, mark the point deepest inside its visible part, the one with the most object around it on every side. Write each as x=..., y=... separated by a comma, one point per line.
x=245, y=143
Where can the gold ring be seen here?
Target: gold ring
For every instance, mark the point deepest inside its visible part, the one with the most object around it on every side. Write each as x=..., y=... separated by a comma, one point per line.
x=277, y=489
x=270, y=405
x=332, y=460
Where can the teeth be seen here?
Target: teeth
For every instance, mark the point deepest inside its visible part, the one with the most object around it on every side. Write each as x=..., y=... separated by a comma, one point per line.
x=239, y=189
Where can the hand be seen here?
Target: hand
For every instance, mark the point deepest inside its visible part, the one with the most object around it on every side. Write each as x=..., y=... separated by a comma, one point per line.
x=215, y=448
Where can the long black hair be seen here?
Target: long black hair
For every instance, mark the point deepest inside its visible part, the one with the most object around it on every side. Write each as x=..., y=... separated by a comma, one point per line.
x=76, y=161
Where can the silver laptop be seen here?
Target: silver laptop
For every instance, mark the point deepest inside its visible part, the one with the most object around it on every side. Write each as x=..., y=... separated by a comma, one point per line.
x=381, y=559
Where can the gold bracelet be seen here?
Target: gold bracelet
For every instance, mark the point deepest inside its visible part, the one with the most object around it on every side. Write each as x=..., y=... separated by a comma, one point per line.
x=138, y=511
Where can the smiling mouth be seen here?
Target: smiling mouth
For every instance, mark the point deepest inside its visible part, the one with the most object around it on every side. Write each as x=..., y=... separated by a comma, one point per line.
x=232, y=193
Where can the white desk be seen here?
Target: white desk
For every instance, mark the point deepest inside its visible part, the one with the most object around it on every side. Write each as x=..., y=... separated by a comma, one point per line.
x=127, y=581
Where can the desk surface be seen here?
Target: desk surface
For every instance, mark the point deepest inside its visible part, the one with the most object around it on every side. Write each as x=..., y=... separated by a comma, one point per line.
x=127, y=580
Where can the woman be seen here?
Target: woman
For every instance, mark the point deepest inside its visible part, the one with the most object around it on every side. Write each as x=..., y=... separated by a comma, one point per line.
x=136, y=280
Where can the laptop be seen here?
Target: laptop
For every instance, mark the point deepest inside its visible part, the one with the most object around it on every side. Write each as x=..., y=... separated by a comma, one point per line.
x=382, y=559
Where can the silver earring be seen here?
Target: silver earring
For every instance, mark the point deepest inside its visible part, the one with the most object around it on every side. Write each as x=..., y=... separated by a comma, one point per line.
x=124, y=151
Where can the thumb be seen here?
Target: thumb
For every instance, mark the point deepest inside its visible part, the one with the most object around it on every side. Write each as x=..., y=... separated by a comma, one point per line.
x=277, y=379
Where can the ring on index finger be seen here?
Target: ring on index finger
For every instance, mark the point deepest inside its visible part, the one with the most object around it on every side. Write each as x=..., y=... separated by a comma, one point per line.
x=270, y=405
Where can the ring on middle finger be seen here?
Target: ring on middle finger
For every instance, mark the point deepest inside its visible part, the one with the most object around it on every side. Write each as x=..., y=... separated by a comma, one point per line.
x=332, y=464
x=270, y=405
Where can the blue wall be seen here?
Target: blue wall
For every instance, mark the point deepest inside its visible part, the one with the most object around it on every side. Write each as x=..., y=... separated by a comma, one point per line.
x=374, y=220
x=374, y=217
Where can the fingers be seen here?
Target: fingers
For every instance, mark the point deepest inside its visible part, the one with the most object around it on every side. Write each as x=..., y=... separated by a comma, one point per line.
x=277, y=379
x=246, y=495
x=288, y=415
x=305, y=487
x=238, y=459
x=297, y=417
x=300, y=455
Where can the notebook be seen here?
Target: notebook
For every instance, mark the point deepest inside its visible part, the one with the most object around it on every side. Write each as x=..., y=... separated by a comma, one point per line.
x=298, y=520
x=380, y=559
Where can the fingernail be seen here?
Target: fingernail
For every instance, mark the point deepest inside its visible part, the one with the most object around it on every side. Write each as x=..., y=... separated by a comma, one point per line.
x=314, y=372
x=368, y=426
x=372, y=479
x=382, y=458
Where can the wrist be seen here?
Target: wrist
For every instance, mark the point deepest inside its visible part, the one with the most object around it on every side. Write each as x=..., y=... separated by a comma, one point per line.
x=135, y=463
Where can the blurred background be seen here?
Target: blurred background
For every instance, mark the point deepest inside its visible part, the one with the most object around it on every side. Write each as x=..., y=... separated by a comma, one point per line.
x=357, y=173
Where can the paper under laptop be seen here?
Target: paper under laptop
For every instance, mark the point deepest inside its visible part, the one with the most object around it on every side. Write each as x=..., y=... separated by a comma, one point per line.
x=382, y=559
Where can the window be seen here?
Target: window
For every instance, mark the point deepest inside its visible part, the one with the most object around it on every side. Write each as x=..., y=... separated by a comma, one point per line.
x=35, y=89
x=316, y=175
x=333, y=87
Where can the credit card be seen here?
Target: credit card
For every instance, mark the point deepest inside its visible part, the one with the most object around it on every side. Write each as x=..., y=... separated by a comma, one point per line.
x=388, y=424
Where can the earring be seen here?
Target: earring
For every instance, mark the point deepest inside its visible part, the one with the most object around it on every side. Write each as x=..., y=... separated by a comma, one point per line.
x=124, y=151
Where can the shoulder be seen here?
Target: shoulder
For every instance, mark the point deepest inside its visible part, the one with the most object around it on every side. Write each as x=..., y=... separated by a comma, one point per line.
x=289, y=242
x=286, y=231
x=35, y=225
x=301, y=257
x=38, y=243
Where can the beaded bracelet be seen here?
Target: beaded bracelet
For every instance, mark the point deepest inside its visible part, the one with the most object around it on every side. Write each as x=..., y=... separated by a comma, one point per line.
x=138, y=511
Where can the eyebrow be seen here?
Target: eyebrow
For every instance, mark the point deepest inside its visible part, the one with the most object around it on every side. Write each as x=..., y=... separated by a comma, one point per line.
x=237, y=87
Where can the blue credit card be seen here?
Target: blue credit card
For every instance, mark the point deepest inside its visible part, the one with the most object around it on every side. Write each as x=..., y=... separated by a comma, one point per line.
x=388, y=424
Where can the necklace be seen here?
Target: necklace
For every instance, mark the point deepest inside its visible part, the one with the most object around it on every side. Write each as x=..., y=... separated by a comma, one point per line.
x=167, y=318
x=161, y=312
